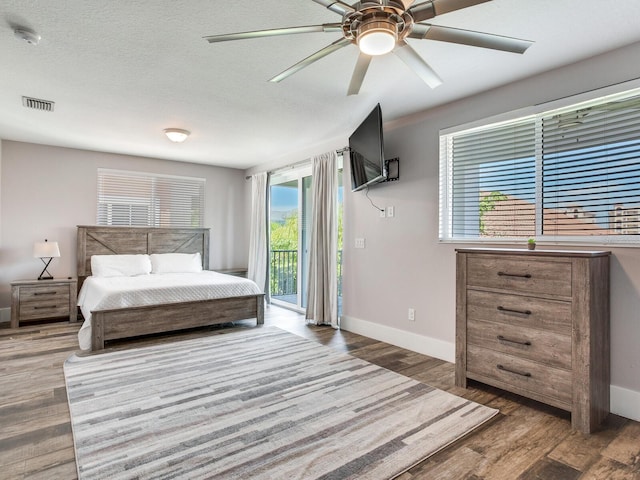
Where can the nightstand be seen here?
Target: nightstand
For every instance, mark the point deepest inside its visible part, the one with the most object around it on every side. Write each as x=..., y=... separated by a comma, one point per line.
x=236, y=272
x=43, y=299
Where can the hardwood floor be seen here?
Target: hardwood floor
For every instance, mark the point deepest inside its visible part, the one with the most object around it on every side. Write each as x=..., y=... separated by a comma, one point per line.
x=526, y=441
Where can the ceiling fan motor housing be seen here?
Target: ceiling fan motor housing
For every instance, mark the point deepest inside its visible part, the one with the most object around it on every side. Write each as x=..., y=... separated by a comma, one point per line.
x=388, y=16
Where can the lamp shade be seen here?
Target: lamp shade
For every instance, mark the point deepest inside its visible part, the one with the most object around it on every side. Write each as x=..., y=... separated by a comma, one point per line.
x=46, y=249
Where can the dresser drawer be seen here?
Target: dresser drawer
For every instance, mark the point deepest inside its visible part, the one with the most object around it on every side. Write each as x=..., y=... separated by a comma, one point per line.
x=519, y=274
x=42, y=293
x=532, y=344
x=521, y=376
x=44, y=310
x=519, y=310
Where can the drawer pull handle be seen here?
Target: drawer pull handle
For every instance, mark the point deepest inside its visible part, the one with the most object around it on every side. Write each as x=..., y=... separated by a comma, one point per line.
x=45, y=293
x=45, y=307
x=511, y=310
x=505, y=369
x=526, y=343
x=521, y=275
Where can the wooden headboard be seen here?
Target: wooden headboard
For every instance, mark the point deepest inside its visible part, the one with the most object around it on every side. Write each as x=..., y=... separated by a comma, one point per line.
x=95, y=240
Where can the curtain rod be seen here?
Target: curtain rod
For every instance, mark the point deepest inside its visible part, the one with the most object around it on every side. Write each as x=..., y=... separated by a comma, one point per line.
x=295, y=164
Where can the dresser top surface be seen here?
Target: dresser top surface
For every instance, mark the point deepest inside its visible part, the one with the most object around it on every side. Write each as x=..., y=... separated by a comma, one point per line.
x=535, y=253
x=43, y=282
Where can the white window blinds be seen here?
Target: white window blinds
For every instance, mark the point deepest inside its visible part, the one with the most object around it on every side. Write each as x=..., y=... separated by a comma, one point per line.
x=572, y=172
x=493, y=178
x=145, y=199
x=591, y=169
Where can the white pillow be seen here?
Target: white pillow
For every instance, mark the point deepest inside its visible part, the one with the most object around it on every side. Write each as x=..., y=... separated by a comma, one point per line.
x=120, y=265
x=176, y=263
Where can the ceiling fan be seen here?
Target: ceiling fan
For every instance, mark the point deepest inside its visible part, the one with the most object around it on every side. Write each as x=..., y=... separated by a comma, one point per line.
x=379, y=27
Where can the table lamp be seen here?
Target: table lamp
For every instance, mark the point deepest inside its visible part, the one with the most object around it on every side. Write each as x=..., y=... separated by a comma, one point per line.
x=45, y=251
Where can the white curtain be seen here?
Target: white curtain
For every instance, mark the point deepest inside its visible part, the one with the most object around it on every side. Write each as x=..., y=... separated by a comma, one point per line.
x=258, y=238
x=322, y=300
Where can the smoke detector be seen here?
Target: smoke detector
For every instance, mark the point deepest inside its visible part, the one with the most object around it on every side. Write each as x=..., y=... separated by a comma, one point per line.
x=29, y=36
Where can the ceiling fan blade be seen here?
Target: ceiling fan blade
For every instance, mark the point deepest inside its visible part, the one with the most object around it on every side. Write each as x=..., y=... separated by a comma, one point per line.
x=362, y=65
x=336, y=6
x=337, y=45
x=426, y=10
x=326, y=27
x=416, y=63
x=469, y=37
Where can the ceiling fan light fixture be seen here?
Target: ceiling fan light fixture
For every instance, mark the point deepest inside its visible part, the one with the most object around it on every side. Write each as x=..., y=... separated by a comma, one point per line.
x=377, y=37
x=176, y=134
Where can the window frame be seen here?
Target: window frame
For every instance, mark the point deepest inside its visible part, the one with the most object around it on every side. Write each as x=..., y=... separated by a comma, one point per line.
x=445, y=200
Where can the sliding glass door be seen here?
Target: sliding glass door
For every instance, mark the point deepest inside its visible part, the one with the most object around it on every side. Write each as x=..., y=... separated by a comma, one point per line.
x=290, y=214
x=289, y=237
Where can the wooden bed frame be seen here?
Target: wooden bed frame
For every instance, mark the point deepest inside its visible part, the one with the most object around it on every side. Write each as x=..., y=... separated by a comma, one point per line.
x=122, y=323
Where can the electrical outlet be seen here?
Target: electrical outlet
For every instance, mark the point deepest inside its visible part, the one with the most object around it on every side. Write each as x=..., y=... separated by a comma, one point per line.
x=360, y=243
x=391, y=212
x=382, y=213
x=412, y=315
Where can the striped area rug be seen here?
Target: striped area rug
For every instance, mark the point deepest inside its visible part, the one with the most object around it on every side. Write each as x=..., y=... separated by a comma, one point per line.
x=254, y=404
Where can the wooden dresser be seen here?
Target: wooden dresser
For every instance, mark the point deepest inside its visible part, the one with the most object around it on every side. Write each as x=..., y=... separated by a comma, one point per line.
x=536, y=323
x=43, y=299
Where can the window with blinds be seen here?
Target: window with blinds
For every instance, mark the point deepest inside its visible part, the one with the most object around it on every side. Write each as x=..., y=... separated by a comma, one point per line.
x=561, y=174
x=145, y=199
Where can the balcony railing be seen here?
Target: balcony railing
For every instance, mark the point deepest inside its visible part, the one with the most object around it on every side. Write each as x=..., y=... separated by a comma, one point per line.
x=284, y=273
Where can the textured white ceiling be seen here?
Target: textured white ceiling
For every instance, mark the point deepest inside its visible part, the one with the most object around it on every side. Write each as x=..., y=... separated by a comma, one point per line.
x=120, y=72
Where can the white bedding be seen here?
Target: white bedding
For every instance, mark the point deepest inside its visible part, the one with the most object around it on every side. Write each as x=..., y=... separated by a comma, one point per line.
x=120, y=292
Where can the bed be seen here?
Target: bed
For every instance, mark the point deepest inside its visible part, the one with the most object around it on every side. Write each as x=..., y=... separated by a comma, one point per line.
x=117, y=318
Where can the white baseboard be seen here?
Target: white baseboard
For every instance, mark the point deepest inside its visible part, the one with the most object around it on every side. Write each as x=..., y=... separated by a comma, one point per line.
x=401, y=338
x=624, y=402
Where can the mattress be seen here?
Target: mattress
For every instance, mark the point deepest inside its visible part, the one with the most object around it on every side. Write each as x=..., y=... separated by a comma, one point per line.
x=106, y=293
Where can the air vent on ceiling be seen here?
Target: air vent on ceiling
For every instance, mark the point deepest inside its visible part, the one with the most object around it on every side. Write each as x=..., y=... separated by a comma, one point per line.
x=38, y=104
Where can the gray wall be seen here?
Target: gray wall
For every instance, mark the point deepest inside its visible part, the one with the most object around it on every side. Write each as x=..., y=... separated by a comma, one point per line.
x=404, y=265
x=46, y=191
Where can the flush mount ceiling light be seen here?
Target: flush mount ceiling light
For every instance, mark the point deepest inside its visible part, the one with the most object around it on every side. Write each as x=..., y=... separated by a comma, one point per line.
x=176, y=134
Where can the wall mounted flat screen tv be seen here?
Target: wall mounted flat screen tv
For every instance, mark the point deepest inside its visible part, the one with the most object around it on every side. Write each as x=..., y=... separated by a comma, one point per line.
x=366, y=152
